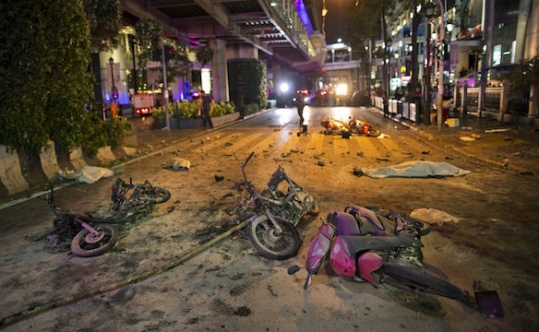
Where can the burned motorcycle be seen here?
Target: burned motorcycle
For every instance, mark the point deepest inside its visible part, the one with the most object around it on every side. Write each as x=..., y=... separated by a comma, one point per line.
x=274, y=213
x=354, y=126
x=381, y=248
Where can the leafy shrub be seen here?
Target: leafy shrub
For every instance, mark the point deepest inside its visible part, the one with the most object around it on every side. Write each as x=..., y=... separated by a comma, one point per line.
x=111, y=132
x=94, y=135
x=159, y=112
x=250, y=109
x=116, y=129
x=192, y=109
x=180, y=109
x=189, y=109
x=221, y=108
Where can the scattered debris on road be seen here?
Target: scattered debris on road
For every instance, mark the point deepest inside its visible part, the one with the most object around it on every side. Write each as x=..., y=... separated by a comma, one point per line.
x=88, y=174
x=433, y=216
x=415, y=169
x=180, y=164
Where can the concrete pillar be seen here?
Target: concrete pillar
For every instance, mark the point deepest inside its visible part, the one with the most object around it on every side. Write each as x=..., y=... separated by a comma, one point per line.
x=219, y=70
x=523, y=25
x=10, y=172
x=242, y=51
x=49, y=161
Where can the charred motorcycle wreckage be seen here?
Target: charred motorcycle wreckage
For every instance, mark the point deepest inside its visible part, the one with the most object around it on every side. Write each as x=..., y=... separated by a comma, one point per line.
x=89, y=234
x=274, y=212
x=354, y=126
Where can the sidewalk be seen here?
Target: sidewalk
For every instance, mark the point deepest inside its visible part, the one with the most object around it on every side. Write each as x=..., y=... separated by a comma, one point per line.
x=502, y=145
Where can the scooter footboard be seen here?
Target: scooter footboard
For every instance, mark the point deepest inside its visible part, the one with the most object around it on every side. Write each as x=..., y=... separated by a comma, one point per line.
x=362, y=243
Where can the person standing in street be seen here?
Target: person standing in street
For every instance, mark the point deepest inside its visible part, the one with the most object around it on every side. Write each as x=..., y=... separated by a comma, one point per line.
x=206, y=107
x=418, y=101
x=300, y=104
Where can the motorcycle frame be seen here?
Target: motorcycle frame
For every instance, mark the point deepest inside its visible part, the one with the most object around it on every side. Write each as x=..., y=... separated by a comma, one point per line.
x=278, y=204
x=62, y=213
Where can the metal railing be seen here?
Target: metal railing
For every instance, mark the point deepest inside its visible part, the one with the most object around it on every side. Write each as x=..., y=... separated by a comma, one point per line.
x=499, y=104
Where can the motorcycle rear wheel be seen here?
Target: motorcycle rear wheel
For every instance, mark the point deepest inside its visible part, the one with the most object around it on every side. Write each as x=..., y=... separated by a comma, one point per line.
x=271, y=245
x=374, y=132
x=414, y=279
x=84, y=244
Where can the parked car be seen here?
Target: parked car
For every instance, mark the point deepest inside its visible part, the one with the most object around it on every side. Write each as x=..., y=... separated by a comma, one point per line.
x=194, y=94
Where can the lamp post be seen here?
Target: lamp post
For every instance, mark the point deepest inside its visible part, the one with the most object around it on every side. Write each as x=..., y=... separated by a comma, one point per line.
x=111, y=61
x=132, y=42
x=387, y=70
x=428, y=12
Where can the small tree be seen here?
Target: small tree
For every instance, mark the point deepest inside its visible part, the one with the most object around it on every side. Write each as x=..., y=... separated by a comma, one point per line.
x=148, y=38
x=177, y=62
x=525, y=78
x=525, y=75
x=105, y=20
x=204, y=55
x=43, y=64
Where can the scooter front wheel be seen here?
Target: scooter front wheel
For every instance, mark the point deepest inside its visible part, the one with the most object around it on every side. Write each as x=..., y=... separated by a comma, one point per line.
x=86, y=244
x=270, y=243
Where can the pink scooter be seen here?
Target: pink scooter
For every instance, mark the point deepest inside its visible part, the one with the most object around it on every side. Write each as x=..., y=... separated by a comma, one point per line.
x=381, y=248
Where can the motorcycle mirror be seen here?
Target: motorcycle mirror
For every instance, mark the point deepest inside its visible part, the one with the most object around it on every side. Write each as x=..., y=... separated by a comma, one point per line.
x=293, y=269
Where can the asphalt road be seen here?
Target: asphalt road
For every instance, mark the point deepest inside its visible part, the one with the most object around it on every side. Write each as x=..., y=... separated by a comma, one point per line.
x=229, y=287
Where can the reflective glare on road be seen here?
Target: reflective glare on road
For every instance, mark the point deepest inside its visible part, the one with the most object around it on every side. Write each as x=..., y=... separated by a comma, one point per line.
x=339, y=113
x=285, y=115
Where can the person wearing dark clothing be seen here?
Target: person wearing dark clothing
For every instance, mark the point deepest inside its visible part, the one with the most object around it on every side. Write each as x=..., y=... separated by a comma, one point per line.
x=206, y=106
x=300, y=104
x=418, y=100
x=386, y=106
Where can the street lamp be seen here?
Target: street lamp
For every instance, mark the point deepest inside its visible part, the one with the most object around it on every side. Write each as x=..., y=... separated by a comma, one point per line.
x=428, y=11
x=111, y=61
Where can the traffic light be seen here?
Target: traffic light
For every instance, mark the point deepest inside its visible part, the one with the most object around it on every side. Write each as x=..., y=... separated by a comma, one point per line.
x=169, y=52
x=440, y=51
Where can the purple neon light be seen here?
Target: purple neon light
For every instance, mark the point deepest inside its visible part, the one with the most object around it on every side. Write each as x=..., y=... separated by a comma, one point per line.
x=304, y=17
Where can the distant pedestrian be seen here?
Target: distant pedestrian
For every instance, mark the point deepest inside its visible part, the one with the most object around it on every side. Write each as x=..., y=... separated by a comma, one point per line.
x=418, y=101
x=206, y=107
x=386, y=106
x=300, y=104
